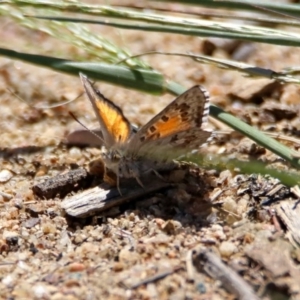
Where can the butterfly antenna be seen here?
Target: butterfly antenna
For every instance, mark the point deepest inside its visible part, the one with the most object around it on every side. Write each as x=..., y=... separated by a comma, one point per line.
x=89, y=130
x=43, y=106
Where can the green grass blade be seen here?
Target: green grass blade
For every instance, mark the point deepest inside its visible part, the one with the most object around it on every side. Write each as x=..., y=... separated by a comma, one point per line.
x=165, y=23
x=77, y=34
x=245, y=167
x=249, y=5
x=286, y=75
x=139, y=79
x=109, y=11
x=199, y=28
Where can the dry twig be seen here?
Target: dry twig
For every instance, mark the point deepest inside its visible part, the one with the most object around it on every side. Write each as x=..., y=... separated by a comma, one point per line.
x=214, y=267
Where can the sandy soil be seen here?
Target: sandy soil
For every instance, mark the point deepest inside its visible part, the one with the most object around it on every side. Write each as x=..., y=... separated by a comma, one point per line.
x=145, y=249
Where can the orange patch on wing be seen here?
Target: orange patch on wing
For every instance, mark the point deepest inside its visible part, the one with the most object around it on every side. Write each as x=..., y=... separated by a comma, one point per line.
x=115, y=122
x=173, y=125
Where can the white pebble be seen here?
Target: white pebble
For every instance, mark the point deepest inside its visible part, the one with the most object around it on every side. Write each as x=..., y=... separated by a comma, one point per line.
x=227, y=249
x=75, y=153
x=5, y=175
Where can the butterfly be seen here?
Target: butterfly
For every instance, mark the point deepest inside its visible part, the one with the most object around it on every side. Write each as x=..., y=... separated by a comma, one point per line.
x=177, y=129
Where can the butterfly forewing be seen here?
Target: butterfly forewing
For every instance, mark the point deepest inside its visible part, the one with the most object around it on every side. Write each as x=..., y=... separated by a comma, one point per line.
x=181, y=124
x=115, y=127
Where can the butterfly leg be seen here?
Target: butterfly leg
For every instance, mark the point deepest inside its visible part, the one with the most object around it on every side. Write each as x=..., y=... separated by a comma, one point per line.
x=129, y=173
x=139, y=181
x=158, y=175
x=118, y=185
x=134, y=172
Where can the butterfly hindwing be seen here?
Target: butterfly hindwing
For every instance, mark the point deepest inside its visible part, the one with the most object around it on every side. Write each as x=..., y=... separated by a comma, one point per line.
x=180, y=124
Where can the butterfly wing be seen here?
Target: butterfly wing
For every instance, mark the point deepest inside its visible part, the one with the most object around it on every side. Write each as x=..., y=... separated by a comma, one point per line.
x=180, y=125
x=115, y=127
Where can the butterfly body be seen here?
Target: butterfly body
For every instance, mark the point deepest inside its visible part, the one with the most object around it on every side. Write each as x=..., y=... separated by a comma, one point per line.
x=178, y=129
x=127, y=166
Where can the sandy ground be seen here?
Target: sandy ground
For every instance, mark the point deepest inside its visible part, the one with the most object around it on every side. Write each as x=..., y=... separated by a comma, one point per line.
x=147, y=249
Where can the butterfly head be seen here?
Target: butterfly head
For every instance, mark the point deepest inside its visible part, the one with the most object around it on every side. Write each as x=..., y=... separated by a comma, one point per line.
x=111, y=159
x=121, y=164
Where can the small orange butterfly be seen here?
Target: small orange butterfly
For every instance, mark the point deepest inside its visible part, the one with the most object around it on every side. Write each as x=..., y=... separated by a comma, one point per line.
x=179, y=128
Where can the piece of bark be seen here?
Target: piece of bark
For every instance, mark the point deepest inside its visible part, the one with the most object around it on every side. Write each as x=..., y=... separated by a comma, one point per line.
x=104, y=197
x=62, y=184
x=289, y=213
x=206, y=260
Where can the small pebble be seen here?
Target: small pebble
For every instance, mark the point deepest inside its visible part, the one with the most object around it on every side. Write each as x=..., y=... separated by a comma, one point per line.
x=230, y=205
x=42, y=171
x=5, y=175
x=48, y=228
x=76, y=267
x=118, y=266
x=75, y=153
x=227, y=249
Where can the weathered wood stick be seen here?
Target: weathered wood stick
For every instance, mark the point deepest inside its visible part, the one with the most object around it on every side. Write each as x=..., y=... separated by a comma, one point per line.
x=212, y=264
x=103, y=197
